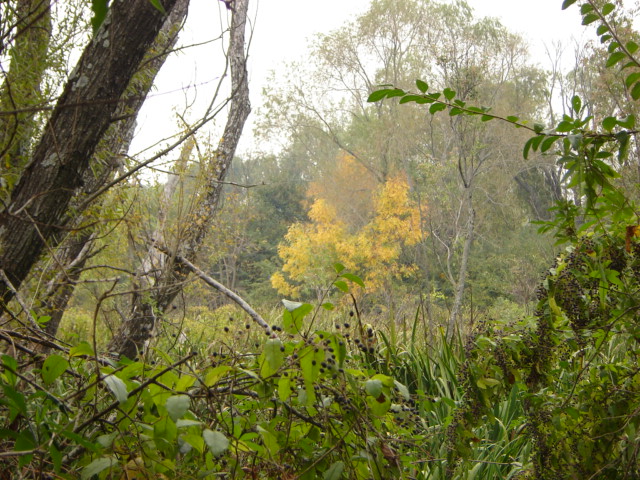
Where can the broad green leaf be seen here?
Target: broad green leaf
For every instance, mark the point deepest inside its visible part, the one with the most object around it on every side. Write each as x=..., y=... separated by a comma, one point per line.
x=614, y=58
x=586, y=8
x=353, y=278
x=422, y=86
x=166, y=429
x=437, y=107
x=635, y=91
x=341, y=285
x=117, y=387
x=629, y=122
x=602, y=29
x=411, y=98
x=81, y=349
x=177, y=406
x=589, y=19
x=547, y=143
x=53, y=367
x=338, y=267
x=334, y=472
x=185, y=423
x=216, y=441
x=607, y=8
x=455, y=111
x=292, y=319
x=576, y=104
x=512, y=119
x=538, y=127
x=631, y=79
x=404, y=391
x=448, y=93
x=290, y=305
x=609, y=123
x=632, y=47
x=284, y=388
x=272, y=357
x=97, y=466
x=215, y=374
x=373, y=387
x=11, y=365
x=486, y=118
x=328, y=306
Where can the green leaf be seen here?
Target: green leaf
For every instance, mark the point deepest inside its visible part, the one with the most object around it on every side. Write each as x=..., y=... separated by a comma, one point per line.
x=97, y=466
x=632, y=47
x=422, y=86
x=411, y=98
x=117, y=387
x=177, y=406
x=328, y=306
x=609, y=123
x=338, y=267
x=449, y=94
x=53, y=367
x=354, y=278
x=342, y=286
x=82, y=349
x=538, y=127
x=11, y=365
x=486, y=118
x=292, y=318
x=629, y=122
x=512, y=119
x=547, y=143
x=373, y=387
x=585, y=8
x=607, y=8
x=614, y=58
x=635, y=91
x=567, y=3
x=215, y=374
x=576, y=104
x=216, y=441
x=334, y=472
x=455, y=111
x=404, y=391
x=602, y=29
x=272, y=357
x=437, y=107
x=589, y=19
x=158, y=6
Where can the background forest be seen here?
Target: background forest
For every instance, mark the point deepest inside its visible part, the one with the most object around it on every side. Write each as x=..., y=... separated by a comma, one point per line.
x=429, y=269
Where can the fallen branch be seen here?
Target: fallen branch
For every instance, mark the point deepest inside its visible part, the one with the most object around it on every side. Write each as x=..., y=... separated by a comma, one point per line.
x=224, y=290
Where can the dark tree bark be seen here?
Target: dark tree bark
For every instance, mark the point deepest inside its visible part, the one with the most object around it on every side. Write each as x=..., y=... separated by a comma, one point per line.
x=167, y=284
x=76, y=249
x=39, y=203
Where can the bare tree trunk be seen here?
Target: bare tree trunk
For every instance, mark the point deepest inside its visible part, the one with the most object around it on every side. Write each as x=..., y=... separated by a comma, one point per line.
x=75, y=250
x=40, y=201
x=146, y=306
x=454, y=321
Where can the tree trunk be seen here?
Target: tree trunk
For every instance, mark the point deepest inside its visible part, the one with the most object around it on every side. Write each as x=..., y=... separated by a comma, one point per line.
x=464, y=265
x=40, y=201
x=139, y=327
x=76, y=249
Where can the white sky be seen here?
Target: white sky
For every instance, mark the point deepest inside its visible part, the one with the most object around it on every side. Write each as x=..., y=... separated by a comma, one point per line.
x=281, y=31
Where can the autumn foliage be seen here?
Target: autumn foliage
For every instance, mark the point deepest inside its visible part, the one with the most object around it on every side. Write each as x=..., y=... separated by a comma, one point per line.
x=373, y=246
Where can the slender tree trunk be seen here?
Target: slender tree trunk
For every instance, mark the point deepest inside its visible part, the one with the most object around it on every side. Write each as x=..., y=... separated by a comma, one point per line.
x=454, y=317
x=40, y=201
x=75, y=249
x=146, y=307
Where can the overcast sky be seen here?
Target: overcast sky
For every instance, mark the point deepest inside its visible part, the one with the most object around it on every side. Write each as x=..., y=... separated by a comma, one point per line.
x=281, y=30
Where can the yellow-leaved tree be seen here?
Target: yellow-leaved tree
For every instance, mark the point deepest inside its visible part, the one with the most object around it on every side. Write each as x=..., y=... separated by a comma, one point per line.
x=372, y=249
